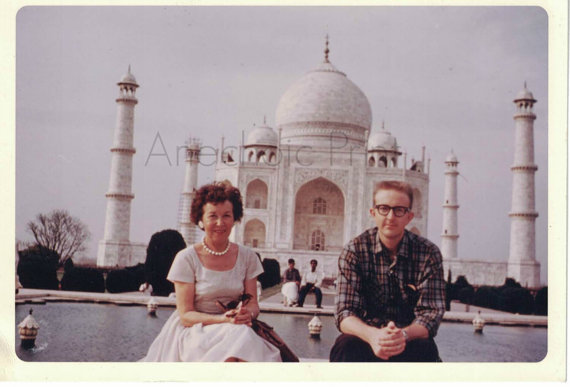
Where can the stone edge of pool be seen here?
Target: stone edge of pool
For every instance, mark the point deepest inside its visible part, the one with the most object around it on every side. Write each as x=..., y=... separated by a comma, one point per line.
x=41, y=296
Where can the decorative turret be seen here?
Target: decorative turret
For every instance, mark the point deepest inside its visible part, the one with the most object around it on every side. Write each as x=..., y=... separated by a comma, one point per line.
x=28, y=329
x=383, y=149
x=261, y=145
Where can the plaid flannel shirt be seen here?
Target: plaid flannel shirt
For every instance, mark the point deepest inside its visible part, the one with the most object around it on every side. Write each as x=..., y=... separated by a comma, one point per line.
x=366, y=288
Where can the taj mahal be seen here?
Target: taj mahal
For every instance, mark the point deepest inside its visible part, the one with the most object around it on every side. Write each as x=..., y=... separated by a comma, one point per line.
x=307, y=182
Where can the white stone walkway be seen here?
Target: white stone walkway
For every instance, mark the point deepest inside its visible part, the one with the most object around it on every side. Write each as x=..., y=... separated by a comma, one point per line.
x=458, y=313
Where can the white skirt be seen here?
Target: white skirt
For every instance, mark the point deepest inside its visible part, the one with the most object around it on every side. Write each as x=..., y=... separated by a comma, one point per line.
x=290, y=291
x=212, y=343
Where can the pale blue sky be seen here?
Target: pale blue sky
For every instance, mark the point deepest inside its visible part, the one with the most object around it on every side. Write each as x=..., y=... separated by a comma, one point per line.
x=440, y=77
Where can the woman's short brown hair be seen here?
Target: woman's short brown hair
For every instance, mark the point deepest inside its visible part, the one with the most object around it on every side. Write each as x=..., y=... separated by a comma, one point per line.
x=215, y=193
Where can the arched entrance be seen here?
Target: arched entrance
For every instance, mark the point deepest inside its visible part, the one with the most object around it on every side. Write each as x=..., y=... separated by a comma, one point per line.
x=256, y=194
x=254, y=234
x=319, y=216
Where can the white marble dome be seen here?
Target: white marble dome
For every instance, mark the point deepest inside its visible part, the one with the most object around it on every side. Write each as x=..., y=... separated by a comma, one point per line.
x=323, y=98
x=261, y=135
x=382, y=140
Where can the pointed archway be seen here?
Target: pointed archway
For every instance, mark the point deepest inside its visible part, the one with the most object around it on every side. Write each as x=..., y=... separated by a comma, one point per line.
x=254, y=234
x=319, y=216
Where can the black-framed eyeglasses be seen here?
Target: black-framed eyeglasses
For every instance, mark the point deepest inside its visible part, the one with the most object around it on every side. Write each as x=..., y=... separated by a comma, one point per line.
x=398, y=211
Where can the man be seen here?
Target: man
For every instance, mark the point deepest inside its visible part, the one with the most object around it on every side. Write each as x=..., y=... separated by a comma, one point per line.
x=312, y=281
x=390, y=295
x=291, y=282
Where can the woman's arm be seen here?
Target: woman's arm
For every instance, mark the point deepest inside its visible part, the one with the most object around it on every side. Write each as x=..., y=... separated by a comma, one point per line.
x=249, y=311
x=185, y=307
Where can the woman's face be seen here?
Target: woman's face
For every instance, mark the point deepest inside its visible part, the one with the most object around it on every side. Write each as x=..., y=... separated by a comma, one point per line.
x=218, y=220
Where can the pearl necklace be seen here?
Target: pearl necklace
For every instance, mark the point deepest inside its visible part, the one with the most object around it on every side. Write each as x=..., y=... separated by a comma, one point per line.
x=210, y=251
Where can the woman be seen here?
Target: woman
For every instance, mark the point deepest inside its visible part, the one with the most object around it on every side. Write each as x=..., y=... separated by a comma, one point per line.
x=206, y=276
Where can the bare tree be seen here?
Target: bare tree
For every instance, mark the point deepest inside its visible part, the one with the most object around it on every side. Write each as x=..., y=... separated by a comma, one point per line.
x=60, y=232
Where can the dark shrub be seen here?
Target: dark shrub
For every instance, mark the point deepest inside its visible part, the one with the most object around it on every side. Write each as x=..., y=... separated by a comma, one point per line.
x=138, y=272
x=123, y=280
x=541, y=302
x=455, y=289
x=83, y=279
x=509, y=283
x=448, y=288
x=37, y=268
x=487, y=297
x=516, y=300
x=68, y=265
x=271, y=274
x=461, y=282
x=465, y=295
x=160, y=253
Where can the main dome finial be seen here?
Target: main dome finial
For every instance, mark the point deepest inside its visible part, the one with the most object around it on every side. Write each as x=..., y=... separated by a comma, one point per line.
x=327, y=49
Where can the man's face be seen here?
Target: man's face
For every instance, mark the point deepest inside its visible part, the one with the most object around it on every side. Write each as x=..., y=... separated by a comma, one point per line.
x=313, y=266
x=391, y=227
x=292, y=265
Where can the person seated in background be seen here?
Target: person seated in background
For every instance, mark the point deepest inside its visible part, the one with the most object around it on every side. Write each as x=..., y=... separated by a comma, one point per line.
x=311, y=282
x=291, y=282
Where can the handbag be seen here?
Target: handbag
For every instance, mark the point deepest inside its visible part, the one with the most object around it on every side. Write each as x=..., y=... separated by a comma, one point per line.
x=267, y=333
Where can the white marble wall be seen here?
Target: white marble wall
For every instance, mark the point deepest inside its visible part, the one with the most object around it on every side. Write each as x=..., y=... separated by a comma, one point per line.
x=477, y=272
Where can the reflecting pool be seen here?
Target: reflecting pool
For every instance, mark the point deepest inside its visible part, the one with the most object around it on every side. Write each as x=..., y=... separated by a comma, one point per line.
x=86, y=332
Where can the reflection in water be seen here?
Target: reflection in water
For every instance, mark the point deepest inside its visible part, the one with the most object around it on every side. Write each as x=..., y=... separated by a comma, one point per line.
x=96, y=332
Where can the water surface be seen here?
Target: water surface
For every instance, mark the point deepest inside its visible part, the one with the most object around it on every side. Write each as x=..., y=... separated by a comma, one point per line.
x=83, y=332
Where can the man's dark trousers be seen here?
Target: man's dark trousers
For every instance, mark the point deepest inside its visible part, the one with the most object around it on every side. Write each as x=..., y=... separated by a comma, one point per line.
x=306, y=289
x=349, y=348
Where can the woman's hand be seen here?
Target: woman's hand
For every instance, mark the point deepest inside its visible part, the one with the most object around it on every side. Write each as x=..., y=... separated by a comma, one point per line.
x=239, y=315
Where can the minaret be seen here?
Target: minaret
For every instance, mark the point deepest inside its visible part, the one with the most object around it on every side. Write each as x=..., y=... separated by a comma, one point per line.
x=522, y=264
x=449, y=234
x=189, y=230
x=115, y=248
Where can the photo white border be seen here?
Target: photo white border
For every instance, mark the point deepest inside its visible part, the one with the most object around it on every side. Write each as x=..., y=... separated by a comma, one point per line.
x=552, y=368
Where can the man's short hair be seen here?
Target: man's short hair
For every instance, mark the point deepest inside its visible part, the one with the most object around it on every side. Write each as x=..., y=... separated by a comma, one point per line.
x=394, y=185
x=314, y=260
x=291, y=261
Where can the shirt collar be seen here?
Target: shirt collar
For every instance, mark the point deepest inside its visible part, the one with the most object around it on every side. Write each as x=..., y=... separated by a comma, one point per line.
x=402, y=248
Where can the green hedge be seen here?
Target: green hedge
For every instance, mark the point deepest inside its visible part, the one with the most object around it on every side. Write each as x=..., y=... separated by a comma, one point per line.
x=271, y=275
x=509, y=297
x=83, y=279
x=161, y=250
x=128, y=279
x=37, y=268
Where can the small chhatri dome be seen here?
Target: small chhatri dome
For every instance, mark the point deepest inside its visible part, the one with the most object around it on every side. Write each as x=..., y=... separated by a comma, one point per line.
x=262, y=135
x=524, y=94
x=451, y=158
x=382, y=140
x=128, y=77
